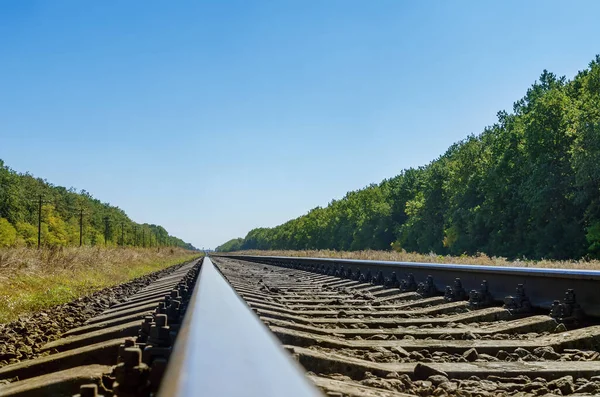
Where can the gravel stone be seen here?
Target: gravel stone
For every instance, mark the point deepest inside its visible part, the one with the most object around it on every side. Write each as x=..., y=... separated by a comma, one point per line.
x=589, y=387
x=521, y=352
x=424, y=371
x=437, y=379
x=564, y=384
x=416, y=356
x=471, y=355
x=546, y=352
x=449, y=387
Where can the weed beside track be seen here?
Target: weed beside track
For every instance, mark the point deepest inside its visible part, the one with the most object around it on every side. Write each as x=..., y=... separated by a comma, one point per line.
x=32, y=280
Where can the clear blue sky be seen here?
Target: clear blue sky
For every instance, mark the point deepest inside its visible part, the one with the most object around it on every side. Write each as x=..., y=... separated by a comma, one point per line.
x=212, y=118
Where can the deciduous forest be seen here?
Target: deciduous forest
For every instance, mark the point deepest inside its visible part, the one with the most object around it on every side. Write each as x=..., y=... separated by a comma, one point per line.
x=527, y=186
x=64, y=213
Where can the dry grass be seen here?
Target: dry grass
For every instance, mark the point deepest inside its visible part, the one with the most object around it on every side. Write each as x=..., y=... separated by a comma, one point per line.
x=480, y=259
x=32, y=279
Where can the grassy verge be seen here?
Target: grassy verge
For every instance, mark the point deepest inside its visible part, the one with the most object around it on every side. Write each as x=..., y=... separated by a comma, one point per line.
x=404, y=256
x=32, y=280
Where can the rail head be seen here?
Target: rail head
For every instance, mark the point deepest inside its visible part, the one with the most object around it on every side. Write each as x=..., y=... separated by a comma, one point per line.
x=223, y=349
x=540, y=272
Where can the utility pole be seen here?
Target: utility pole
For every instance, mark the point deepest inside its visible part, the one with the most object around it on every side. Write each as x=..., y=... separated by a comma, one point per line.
x=39, y=201
x=40, y=223
x=143, y=238
x=105, y=230
x=122, y=234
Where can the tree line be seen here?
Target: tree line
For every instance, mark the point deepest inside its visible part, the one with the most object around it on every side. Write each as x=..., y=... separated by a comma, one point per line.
x=527, y=186
x=33, y=211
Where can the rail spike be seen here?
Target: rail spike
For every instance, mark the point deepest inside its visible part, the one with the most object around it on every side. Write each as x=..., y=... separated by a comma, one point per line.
x=456, y=292
x=131, y=375
x=378, y=279
x=427, y=289
x=482, y=298
x=408, y=285
x=518, y=303
x=348, y=274
x=369, y=276
x=366, y=278
x=392, y=281
x=567, y=311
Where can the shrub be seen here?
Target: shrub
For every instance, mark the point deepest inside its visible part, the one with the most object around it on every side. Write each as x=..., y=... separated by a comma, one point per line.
x=8, y=234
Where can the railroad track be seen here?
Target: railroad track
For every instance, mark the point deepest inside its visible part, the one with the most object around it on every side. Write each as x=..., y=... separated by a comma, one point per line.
x=394, y=329
x=357, y=328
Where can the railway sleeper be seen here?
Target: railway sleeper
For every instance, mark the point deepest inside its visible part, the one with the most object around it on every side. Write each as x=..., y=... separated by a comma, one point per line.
x=583, y=338
x=452, y=308
x=363, y=305
x=525, y=325
x=355, y=368
x=483, y=315
x=375, y=311
x=131, y=305
x=334, y=387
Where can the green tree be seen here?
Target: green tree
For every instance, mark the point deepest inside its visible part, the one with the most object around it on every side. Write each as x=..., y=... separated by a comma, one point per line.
x=529, y=185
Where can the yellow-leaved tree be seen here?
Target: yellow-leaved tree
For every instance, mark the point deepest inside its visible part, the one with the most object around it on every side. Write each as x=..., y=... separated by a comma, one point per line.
x=27, y=234
x=8, y=234
x=54, y=229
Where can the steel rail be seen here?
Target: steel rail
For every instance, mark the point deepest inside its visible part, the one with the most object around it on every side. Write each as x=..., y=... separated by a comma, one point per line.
x=542, y=286
x=223, y=349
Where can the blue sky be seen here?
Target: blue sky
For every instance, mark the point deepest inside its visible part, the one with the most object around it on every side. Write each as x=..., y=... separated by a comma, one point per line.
x=215, y=117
